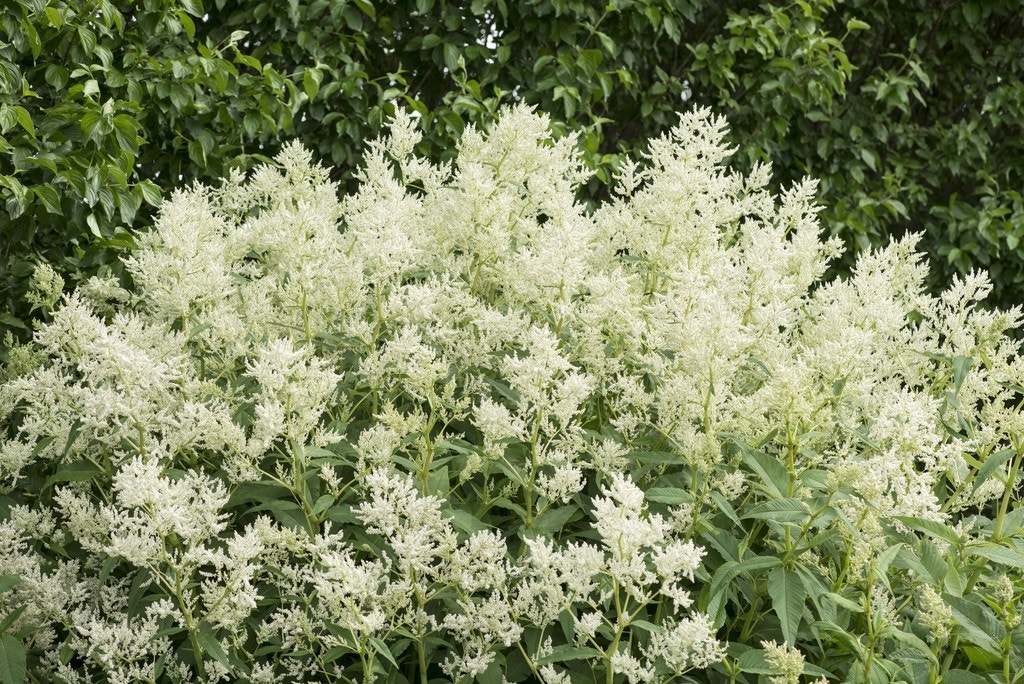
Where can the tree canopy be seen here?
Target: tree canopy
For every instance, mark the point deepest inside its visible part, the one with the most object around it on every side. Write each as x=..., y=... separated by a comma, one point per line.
x=908, y=113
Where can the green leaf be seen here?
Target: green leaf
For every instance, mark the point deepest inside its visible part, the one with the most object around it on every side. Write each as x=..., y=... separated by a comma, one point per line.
x=962, y=677
x=787, y=593
x=999, y=554
x=439, y=481
x=857, y=25
x=465, y=521
x=566, y=652
x=724, y=576
x=286, y=512
x=725, y=507
x=197, y=154
x=844, y=602
x=366, y=7
x=654, y=457
x=383, y=650
x=332, y=653
x=990, y=465
x=128, y=204
x=79, y=471
x=54, y=16
x=49, y=197
x=910, y=639
x=961, y=367
x=780, y=510
x=972, y=13
x=9, y=581
x=248, y=492
x=451, y=57
x=554, y=519
x=754, y=662
x=850, y=642
x=773, y=474
x=8, y=117
x=311, y=79
x=12, y=660
x=25, y=120
x=933, y=561
x=150, y=192
x=869, y=158
x=193, y=7
x=211, y=645
x=930, y=527
x=11, y=617
x=884, y=560
x=322, y=504
x=976, y=622
x=668, y=495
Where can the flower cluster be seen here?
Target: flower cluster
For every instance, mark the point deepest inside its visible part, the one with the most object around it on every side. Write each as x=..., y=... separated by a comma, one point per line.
x=455, y=424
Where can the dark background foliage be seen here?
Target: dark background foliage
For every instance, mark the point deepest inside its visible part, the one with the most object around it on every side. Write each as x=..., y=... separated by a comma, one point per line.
x=909, y=113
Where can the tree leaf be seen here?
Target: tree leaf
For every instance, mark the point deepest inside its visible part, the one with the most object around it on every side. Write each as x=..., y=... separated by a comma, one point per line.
x=25, y=120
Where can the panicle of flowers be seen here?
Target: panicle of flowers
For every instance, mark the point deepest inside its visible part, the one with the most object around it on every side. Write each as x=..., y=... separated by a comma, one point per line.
x=427, y=413
x=786, y=662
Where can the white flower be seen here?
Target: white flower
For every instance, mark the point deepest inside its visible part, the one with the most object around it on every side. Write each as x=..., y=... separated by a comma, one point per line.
x=586, y=626
x=677, y=559
x=411, y=524
x=566, y=481
x=480, y=562
x=636, y=672
x=621, y=520
x=785, y=661
x=688, y=643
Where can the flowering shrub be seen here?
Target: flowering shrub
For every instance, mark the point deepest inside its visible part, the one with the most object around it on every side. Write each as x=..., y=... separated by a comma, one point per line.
x=455, y=428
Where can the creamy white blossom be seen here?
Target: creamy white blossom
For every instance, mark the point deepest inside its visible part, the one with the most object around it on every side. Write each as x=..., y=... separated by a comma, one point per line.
x=461, y=414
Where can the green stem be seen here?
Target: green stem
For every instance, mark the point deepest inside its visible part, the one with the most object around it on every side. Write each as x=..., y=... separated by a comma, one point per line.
x=534, y=438
x=1011, y=479
x=614, y=646
x=305, y=318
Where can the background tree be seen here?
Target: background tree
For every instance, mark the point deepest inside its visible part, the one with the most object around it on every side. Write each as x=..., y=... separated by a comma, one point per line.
x=102, y=103
x=909, y=113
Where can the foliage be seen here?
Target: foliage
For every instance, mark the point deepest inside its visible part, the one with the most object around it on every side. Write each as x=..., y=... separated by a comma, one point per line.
x=454, y=425
x=99, y=102
x=909, y=113
x=920, y=137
